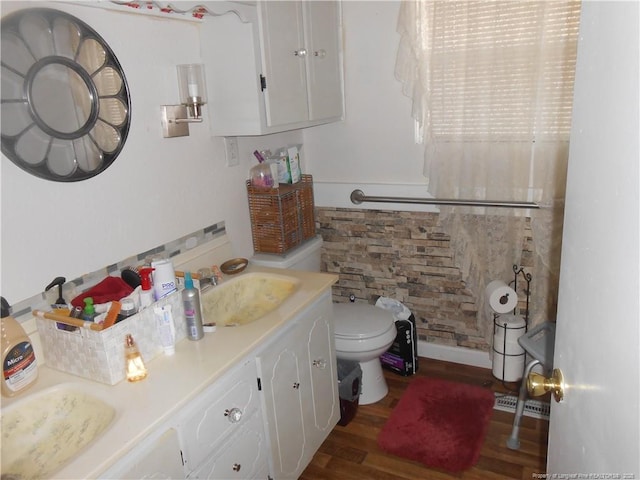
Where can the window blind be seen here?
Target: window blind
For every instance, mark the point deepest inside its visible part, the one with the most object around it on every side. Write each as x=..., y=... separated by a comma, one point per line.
x=502, y=70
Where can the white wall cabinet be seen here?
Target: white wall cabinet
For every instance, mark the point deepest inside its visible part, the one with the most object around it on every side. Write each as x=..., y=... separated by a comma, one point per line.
x=272, y=66
x=299, y=390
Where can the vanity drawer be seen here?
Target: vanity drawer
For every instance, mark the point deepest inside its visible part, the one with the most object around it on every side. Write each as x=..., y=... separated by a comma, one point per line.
x=223, y=410
x=243, y=456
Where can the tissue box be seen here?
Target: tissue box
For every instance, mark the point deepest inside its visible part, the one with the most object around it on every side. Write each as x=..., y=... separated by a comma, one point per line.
x=99, y=355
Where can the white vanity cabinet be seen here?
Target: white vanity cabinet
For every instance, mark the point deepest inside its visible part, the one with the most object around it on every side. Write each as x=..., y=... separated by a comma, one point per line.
x=155, y=458
x=272, y=66
x=264, y=418
x=222, y=432
x=300, y=389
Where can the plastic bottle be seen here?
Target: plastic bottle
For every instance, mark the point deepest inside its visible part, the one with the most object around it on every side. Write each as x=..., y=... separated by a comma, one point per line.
x=127, y=309
x=19, y=365
x=164, y=278
x=146, y=293
x=167, y=328
x=192, y=309
x=89, y=312
x=135, y=368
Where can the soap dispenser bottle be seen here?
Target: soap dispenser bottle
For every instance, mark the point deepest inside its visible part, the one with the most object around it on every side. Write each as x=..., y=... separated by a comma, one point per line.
x=19, y=366
x=192, y=309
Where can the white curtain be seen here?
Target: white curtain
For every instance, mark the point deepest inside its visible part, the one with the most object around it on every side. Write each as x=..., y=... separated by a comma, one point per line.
x=491, y=85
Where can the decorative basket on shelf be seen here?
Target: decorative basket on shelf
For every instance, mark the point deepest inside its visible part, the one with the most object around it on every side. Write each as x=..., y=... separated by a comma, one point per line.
x=281, y=218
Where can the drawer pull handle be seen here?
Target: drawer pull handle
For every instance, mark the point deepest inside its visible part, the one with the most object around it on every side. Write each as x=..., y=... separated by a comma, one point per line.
x=296, y=386
x=320, y=53
x=321, y=363
x=300, y=53
x=234, y=415
x=236, y=467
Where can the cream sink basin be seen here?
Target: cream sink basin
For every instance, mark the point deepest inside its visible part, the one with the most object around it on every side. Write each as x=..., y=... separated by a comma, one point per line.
x=43, y=431
x=247, y=298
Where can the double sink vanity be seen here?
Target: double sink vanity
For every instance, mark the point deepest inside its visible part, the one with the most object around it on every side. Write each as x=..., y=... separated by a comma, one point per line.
x=251, y=400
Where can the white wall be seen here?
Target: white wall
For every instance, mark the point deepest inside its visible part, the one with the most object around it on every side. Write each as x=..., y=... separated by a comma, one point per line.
x=375, y=143
x=156, y=191
x=160, y=189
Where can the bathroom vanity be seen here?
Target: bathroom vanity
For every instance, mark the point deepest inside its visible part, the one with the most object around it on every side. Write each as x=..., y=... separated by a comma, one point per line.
x=252, y=401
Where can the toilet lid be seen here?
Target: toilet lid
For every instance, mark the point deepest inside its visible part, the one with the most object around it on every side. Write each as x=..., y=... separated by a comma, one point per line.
x=359, y=320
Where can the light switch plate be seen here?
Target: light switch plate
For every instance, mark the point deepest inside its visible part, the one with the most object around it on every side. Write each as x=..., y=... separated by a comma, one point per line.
x=231, y=151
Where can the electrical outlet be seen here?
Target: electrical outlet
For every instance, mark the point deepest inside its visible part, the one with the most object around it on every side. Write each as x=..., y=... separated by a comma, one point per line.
x=231, y=151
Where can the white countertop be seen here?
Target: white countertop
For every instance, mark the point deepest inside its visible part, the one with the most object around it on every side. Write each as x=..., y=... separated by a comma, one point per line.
x=174, y=380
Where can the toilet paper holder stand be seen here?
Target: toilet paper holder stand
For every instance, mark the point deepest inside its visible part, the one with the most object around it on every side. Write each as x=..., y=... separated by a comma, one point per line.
x=517, y=271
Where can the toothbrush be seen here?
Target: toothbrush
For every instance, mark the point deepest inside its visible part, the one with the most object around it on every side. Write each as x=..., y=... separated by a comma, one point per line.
x=259, y=156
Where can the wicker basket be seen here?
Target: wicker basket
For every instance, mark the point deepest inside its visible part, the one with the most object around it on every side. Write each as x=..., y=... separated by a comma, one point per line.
x=283, y=217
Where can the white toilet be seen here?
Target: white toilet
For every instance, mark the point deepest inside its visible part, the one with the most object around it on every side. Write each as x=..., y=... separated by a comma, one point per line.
x=362, y=332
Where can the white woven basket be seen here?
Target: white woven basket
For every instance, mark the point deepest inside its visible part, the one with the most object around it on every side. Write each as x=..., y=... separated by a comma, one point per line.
x=99, y=355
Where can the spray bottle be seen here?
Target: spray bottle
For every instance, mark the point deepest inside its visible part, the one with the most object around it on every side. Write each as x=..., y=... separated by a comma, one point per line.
x=192, y=309
x=146, y=293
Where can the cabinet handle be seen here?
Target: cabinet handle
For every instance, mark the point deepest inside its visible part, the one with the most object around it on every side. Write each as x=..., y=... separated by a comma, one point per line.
x=236, y=467
x=233, y=415
x=320, y=53
x=321, y=364
x=300, y=53
x=296, y=386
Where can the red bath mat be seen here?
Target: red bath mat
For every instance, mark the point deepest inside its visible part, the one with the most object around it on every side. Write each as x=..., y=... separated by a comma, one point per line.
x=439, y=423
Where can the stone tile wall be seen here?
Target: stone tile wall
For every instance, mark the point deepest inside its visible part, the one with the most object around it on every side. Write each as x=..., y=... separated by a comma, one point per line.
x=406, y=256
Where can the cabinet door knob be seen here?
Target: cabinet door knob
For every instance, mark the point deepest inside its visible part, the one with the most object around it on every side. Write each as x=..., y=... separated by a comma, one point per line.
x=320, y=53
x=233, y=415
x=300, y=53
x=296, y=386
x=236, y=467
x=320, y=363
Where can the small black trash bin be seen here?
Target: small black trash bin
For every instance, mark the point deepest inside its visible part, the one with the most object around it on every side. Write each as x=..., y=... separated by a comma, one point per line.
x=349, y=389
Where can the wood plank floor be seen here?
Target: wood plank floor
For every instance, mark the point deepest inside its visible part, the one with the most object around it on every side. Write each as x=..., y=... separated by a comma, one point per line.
x=351, y=452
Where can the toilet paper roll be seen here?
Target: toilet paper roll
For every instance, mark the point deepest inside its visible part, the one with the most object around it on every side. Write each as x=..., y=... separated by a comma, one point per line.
x=507, y=330
x=508, y=369
x=500, y=297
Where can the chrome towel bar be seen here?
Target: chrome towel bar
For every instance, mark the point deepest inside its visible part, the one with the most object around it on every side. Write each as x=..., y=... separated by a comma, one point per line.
x=358, y=196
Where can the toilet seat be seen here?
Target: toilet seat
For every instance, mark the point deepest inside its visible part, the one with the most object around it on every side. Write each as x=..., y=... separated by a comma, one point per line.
x=358, y=321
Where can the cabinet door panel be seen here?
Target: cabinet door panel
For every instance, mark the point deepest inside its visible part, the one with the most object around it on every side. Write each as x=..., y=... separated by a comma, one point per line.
x=324, y=75
x=280, y=370
x=215, y=417
x=161, y=460
x=243, y=456
x=324, y=380
x=283, y=37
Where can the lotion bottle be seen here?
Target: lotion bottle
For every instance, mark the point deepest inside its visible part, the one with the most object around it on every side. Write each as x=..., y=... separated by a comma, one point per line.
x=192, y=309
x=19, y=366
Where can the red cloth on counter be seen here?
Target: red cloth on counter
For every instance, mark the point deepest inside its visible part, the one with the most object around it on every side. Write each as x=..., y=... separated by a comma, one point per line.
x=109, y=289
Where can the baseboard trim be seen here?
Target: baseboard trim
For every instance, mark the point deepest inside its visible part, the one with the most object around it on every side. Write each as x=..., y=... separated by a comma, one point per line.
x=465, y=356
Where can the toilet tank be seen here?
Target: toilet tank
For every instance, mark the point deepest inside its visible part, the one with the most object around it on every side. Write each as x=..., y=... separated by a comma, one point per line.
x=304, y=257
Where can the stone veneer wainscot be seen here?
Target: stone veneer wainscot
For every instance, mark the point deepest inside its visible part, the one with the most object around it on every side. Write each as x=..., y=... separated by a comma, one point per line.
x=406, y=256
